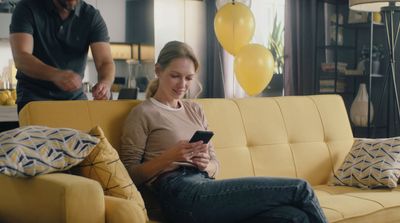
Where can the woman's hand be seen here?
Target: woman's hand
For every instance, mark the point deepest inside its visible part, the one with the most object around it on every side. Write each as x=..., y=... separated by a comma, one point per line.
x=183, y=151
x=201, y=157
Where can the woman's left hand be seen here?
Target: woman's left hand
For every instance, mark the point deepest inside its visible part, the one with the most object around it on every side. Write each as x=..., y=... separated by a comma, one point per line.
x=201, y=159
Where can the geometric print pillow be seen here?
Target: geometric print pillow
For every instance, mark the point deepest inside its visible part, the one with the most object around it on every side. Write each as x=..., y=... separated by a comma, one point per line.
x=35, y=150
x=104, y=166
x=371, y=163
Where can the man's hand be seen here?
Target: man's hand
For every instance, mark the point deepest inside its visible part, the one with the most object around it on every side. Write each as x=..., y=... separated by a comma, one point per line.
x=67, y=80
x=101, y=91
x=105, y=68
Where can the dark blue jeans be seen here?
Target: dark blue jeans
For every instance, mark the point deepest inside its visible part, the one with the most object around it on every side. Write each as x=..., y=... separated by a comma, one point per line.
x=189, y=195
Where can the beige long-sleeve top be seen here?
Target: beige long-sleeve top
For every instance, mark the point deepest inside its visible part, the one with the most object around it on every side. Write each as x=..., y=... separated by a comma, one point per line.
x=152, y=127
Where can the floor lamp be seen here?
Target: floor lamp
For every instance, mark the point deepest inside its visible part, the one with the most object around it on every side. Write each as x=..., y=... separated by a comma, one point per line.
x=389, y=8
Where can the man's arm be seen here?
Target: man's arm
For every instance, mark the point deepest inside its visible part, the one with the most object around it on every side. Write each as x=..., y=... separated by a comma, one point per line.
x=105, y=68
x=22, y=48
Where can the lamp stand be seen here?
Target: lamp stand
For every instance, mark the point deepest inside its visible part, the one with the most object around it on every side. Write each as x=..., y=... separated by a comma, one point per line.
x=392, y=36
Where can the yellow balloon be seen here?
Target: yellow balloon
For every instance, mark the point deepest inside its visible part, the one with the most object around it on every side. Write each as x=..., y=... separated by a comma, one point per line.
x=234, y=26
x=254, y=65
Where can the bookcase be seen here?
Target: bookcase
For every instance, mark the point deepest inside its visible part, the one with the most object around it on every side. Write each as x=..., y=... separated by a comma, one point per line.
x=343, y=37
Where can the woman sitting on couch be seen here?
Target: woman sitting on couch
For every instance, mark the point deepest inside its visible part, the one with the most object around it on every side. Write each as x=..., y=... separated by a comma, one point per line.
x=156, y=152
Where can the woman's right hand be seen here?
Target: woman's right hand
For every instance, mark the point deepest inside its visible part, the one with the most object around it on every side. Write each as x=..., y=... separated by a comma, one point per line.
x=182, y=151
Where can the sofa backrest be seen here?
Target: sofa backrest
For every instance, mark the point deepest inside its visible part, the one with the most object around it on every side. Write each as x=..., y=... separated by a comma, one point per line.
x=297, y=136
x=82, y=115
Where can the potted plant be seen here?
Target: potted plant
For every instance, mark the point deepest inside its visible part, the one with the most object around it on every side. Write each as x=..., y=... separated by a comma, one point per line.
x=275, y=45
x=377, y=56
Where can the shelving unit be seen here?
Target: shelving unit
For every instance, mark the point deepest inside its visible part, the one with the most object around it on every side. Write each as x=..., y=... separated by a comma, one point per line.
x=330, y=60
x=337, y=65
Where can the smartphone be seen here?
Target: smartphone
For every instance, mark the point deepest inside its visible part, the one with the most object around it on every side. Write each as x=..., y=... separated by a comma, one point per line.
x=205, y=136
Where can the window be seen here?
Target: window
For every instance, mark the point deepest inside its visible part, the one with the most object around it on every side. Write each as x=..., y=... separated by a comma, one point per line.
x=264, y=12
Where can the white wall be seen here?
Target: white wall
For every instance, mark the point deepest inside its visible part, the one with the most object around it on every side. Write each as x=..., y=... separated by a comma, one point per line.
x=168, y=22
x=182, y=20
x=113, y=13
x=5, y=54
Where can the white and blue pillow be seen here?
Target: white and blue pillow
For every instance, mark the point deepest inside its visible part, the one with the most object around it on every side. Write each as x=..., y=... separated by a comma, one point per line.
x=371, y=163
x=35, y=150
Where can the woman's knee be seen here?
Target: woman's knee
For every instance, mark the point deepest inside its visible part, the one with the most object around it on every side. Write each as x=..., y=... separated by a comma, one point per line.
x=303, y=184
x=304, y=189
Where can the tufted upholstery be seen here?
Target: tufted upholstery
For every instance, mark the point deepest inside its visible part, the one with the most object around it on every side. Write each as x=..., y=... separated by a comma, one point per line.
x=300, y=136
x=286, y=136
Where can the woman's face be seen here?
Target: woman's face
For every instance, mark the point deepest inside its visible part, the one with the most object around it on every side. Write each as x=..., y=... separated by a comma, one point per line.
x=175, y=79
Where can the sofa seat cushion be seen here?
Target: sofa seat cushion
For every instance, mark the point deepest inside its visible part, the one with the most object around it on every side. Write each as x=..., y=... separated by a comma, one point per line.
x=121, y=210
x=350, y=204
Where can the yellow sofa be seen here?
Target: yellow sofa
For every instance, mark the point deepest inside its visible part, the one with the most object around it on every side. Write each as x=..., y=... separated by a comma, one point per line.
x=301, y=136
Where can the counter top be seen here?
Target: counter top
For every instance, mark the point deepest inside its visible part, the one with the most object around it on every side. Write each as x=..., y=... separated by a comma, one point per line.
x=8, y=113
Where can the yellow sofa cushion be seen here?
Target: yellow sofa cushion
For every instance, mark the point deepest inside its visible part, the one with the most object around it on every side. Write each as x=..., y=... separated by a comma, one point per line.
x=36, y=150
x=121, y=211
x=343, y=204
x=371, y=163
x=103, y=165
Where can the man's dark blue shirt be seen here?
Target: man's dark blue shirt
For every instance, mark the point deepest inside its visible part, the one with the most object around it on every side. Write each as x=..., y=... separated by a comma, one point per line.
x=59, y=43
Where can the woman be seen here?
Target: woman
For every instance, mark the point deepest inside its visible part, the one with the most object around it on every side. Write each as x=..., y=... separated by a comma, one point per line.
x=156, y=152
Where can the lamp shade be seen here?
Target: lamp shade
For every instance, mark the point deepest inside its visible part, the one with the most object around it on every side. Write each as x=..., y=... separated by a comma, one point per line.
x=370, y=5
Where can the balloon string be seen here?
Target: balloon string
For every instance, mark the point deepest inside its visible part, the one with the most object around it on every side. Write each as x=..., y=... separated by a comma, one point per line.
x=234, y=75
x=234, y=85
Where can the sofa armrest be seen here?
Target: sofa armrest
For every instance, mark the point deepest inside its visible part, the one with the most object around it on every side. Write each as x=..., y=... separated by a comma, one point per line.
x=51, y=198
x=122, y=210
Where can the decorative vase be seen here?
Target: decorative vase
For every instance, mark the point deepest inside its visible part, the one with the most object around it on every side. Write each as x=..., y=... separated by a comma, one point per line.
x=359, y=108
x=375, y=66
x=376, y=17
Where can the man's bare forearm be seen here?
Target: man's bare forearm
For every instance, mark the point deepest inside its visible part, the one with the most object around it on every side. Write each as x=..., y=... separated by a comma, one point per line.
x=106, y=73
x=33, y=67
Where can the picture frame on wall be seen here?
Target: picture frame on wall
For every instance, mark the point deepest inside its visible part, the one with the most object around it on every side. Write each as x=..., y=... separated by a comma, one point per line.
x=357, y=17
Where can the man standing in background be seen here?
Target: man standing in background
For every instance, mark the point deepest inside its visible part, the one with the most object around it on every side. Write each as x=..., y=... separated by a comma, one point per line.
x=50, y=41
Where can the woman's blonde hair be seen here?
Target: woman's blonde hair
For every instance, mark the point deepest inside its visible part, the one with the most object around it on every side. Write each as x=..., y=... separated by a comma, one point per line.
x=172, y=50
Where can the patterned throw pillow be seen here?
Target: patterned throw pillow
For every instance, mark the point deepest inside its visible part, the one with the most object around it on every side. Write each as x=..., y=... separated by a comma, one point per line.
x=36, y=150
x=371, y=163
x=104, y=166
